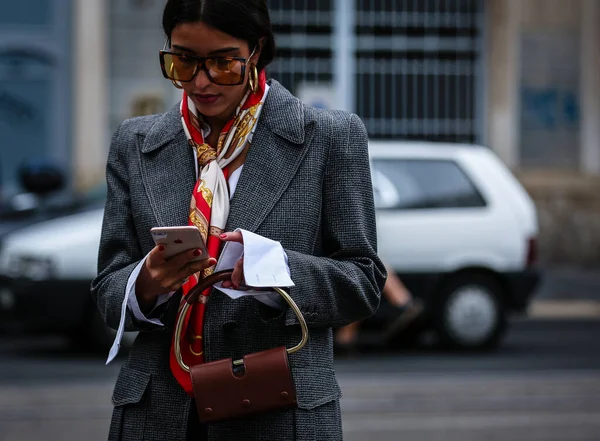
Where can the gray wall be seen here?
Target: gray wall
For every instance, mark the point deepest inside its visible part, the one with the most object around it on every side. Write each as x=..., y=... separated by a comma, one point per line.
x=136, y=83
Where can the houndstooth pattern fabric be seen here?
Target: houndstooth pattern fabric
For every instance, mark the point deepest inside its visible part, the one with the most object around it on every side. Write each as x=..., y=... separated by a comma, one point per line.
x=311, y=173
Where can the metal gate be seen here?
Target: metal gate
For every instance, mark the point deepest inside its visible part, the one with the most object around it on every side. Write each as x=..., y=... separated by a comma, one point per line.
x=303, y=37
x=418, y=69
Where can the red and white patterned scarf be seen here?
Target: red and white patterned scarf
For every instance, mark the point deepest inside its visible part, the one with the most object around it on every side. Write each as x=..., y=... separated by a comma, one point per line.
x=209, y=207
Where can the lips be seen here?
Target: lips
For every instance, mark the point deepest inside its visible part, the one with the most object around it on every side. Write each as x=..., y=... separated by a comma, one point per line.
x=206, y=98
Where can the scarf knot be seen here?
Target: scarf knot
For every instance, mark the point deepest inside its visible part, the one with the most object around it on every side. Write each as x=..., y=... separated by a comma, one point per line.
x=205, y=154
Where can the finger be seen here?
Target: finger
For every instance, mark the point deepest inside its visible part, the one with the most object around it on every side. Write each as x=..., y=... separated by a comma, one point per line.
x=194, y=267
x=191, y=268
x=156, y=257
x=177, y=284
x=237, y=277
x=174, y=277
x=180, y=260
x=235, y=236
x=170, y=280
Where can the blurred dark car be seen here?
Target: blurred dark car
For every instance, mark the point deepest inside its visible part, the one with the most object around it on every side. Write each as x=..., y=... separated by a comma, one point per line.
x=43, y=196
x=31, y=300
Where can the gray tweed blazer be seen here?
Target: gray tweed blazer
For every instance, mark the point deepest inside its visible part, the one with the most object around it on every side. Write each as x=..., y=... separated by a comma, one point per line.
x=306, y=183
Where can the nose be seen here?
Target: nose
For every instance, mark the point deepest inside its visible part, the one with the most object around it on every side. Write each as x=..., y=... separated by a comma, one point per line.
x=201, y=79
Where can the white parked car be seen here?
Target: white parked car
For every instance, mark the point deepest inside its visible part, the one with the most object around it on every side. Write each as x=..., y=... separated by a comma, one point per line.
x=452, y=220
x=460, y=231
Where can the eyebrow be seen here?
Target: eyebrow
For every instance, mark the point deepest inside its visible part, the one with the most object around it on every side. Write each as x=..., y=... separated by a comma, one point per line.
x=224, y=50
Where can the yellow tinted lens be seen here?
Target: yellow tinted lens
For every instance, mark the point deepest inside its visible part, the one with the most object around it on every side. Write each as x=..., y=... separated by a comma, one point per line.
x=180, y=67
x=224, y=71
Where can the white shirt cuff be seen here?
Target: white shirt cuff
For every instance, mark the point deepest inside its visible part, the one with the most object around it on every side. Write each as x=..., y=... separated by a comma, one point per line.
x=130, y=300
x=134, y=307
x=265, y=266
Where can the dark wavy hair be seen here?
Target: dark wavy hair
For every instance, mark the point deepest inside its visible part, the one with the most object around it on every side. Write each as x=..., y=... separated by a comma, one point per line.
x=247, y=20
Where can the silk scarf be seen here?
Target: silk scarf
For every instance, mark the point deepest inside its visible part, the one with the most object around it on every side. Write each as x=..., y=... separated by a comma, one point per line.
x=209, y=208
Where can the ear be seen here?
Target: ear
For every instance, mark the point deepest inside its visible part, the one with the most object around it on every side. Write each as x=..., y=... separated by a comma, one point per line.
x=258, y=51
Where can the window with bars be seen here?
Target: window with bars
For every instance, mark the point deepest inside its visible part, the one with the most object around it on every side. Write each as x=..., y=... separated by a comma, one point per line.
x=418, y=63
x=303, y=31
x=418, y=68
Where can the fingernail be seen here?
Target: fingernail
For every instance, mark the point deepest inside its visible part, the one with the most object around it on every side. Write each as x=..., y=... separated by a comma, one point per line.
x=223, y=236
x=161, y=248
x=197, y=252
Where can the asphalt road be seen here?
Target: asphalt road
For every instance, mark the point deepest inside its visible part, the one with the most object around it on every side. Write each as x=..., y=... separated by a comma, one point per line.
x=542, y=385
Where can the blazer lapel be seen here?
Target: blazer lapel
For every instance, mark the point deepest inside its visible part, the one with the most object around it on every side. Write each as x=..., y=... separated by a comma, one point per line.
x=278, y=147
x=276, y=152
x=167, y=168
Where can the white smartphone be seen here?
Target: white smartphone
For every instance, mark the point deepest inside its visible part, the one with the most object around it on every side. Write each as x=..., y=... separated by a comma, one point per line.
x=179, y=239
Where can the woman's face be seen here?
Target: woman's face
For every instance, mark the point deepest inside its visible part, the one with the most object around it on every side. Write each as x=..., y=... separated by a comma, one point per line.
x=212, y=100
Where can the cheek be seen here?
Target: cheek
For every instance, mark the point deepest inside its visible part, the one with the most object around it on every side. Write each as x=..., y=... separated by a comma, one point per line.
x=188, y=88
x=232, y=95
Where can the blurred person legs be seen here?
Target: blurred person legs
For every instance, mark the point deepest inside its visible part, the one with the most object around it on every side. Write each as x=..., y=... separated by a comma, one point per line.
x=407, y=307
x=400, y=297
x=345, y=337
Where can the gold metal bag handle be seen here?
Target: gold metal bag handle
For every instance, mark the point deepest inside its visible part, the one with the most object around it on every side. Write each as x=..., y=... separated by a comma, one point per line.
x=209, y=281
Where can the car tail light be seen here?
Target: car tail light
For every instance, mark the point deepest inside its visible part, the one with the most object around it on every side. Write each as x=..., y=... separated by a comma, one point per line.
x=532, y=254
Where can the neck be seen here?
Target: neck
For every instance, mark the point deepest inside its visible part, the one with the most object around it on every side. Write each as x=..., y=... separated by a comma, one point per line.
x=216, y=123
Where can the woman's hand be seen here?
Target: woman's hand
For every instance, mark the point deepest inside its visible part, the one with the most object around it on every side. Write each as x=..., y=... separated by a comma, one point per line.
x=159, y=276
x=237, y=278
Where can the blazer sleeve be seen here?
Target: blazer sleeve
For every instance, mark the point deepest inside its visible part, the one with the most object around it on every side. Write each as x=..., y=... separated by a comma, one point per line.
x=119, y=251
x=345, y=285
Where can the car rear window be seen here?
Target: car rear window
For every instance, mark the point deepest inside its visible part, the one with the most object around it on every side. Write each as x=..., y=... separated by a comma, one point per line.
x=423, y=184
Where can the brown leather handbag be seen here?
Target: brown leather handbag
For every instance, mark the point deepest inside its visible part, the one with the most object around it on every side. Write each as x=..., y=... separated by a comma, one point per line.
x=258, y=383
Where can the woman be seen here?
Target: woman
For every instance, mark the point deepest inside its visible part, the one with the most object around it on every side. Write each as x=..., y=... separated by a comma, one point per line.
x=263, y=172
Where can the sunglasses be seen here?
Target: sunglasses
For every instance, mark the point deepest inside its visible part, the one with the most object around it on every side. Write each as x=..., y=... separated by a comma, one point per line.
x=224, y=71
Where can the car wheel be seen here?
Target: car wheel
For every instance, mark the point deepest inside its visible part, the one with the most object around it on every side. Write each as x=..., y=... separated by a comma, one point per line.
x=469, y=313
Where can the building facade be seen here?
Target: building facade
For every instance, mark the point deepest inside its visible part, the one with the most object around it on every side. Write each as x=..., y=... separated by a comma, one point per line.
x=35, y=85
x=544, y=83
x=544, y=115
x=519, y=76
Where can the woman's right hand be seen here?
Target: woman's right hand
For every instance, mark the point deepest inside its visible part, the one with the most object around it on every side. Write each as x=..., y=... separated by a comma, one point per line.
x=159, y=276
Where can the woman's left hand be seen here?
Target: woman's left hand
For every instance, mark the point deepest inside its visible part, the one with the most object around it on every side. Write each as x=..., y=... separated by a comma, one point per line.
x=237, y=278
